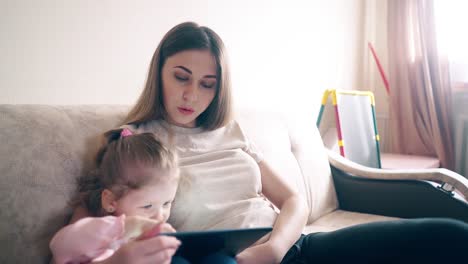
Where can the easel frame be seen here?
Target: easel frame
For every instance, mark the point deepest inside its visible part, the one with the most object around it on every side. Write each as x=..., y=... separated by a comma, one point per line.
x=334, y=94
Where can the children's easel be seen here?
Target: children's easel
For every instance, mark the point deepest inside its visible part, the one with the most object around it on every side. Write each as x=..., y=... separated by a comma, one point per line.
x=356, y=127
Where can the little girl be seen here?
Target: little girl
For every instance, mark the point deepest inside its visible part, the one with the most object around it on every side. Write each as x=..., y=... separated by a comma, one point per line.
x=136, y=179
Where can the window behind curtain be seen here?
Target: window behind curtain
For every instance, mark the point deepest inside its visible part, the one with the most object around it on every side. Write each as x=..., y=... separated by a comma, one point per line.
x=452, y=37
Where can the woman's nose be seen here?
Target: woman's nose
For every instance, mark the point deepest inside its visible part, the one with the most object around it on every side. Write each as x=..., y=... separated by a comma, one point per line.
x=191, y=92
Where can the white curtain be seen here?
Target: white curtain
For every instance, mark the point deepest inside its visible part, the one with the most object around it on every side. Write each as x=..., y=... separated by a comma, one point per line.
x=420, y=97
x=451, y=23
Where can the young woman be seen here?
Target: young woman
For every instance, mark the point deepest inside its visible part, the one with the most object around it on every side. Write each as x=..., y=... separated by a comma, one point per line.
x=187, y=104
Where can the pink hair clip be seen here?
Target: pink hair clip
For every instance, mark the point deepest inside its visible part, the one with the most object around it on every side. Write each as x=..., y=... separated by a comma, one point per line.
x=126, y=132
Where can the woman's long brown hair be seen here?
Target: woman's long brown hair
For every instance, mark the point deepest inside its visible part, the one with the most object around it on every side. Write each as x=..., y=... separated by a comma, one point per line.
x=185, y=36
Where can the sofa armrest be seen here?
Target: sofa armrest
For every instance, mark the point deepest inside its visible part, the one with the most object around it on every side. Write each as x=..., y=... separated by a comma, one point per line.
x=398, y=193
x=451, y=179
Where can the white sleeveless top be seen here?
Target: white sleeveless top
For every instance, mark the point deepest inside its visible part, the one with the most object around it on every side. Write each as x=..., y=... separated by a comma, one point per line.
x=220, y=186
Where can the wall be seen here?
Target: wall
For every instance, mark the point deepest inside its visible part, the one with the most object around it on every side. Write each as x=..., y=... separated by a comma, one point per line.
x=283, y=53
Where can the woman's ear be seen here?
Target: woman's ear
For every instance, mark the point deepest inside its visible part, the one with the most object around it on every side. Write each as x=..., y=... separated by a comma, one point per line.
x=108, y=201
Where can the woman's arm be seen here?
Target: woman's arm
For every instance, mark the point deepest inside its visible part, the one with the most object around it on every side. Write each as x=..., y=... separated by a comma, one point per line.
x=289, y=224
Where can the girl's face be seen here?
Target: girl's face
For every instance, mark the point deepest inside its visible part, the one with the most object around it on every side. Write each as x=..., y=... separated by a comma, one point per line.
x=152, y=201
x=189, y=85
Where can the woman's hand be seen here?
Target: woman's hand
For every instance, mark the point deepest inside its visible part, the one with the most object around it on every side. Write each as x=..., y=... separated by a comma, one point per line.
x=263, y=253
x=156, y=250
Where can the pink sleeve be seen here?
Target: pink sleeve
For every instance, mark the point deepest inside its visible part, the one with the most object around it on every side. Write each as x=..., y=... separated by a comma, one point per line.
x=87, y=239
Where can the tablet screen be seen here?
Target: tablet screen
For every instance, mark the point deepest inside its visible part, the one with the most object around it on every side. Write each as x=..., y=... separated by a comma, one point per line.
x=198, y=244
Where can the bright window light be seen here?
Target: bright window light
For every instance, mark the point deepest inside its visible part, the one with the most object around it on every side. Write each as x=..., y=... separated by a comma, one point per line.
x=452, y=40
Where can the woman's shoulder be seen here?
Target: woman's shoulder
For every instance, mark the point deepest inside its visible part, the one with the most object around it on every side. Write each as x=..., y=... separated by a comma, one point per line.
x=234, y=127
x=241, y=134
x=231, y=132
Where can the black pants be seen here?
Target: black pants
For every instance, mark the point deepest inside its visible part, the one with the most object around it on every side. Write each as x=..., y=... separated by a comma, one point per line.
x=426, y=240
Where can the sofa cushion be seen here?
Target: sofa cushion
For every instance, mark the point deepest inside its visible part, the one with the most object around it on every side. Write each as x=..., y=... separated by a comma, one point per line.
x=340, y=219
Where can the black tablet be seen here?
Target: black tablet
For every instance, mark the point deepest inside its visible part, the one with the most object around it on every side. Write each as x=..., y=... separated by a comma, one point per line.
x=198, y=244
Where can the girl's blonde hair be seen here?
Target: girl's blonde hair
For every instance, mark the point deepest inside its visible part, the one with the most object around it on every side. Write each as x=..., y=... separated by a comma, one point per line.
x=117, y=153
x=185, y=36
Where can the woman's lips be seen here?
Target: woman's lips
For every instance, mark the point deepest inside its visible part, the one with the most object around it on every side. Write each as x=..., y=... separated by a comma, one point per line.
x=185, y=110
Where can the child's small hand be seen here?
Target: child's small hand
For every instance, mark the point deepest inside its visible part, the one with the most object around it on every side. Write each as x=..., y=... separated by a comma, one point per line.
x=150, y=232
x=139, y=228
x=167, y=228
x=160, y=228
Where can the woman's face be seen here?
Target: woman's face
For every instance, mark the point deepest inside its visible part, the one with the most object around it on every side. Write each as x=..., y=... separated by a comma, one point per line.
x=189, y=85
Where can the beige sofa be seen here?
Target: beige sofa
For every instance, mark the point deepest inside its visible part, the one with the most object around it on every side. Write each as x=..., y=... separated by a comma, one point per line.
x=45, y=148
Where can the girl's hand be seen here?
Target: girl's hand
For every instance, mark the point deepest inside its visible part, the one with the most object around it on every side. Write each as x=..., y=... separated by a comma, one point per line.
x=160, y=228
x=263, y=253
x=156, y=250
x=167, y=228
x=140, y=228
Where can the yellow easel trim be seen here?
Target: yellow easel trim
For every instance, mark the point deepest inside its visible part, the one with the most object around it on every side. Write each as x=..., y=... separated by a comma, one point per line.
x=340, y=143
x=325, y=97
x=334, y=99
x=354, y=92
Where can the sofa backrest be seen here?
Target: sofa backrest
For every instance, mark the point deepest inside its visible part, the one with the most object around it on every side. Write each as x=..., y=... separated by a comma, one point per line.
x=45, y=148
x=292, y=145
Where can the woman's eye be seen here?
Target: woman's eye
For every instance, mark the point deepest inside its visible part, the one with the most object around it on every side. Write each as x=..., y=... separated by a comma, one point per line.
x=147, y=206
x=208, y=85
x=181, y=78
